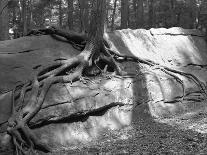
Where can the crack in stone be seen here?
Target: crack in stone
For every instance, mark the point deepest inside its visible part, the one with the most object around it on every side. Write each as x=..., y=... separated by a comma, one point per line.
x=24, y=51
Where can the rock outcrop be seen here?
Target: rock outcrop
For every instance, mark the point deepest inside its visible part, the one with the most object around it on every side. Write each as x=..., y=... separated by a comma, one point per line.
x=152, y=93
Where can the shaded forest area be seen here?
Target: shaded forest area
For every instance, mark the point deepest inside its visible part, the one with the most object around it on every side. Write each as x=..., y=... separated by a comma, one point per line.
x=18, y=17
x=98, y=63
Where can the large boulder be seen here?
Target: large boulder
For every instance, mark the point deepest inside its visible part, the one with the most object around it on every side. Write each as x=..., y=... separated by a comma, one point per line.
x=151, y=94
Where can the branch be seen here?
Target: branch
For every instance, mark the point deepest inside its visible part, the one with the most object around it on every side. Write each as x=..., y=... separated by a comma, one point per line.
x=75, y=117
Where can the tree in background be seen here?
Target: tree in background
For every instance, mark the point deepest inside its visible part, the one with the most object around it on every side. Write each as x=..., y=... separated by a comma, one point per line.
x=70, y=14
x=151, y=14
x=4, y=20
x=192, y=13
x=25, y=15
x=124, y=14
x=138, y=10
x=60, y=13
x=113, y=15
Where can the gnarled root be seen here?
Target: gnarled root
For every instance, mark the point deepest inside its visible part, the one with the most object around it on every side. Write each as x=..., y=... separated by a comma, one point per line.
x=95, y=56
x=64, y=71
x=167, y=70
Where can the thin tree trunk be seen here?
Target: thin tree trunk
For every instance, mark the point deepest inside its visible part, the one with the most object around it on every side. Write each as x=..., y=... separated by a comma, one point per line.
x=14, y=20
x=128, y=15
x=140, y=12
x=151, y=13
x=81, y=16
x=198, y=16
x=13, y=16
x=107, y=15
x=30, y=8
x=172, y=13
x=113, y=15
x=4, y=20
x=24, y=16
x=135, y=13
x=192, y=13
x=124, y=14
x=60, y=14
x=70, y=14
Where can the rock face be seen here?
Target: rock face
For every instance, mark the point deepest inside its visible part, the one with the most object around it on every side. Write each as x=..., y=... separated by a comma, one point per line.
x=151, y=94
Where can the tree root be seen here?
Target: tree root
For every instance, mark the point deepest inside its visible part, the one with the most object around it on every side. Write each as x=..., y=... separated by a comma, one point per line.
x=165, y=69
x=67, y=71
x=62, y=71
x=74, y=117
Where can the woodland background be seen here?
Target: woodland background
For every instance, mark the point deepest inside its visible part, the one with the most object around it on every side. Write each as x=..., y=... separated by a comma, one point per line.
x=166, y=92
x=18, y=17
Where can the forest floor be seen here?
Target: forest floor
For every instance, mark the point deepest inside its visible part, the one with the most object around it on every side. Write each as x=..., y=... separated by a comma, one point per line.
x=146, y=136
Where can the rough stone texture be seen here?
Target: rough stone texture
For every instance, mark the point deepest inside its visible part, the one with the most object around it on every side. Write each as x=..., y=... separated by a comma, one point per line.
x=174, y=51
x=18, y=57
x=175, y=48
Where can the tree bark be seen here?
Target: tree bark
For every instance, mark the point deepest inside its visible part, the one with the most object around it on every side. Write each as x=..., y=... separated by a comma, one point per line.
x=192, y=13
x=70, y=14
x=24, y=16
x=172, y=13
x=4, y=20
x=30, y=20
x=124, y=14
x=138, y=13
x=60, y=14
x=113, y=15
x=84, y=15
x=151, y=17
x=98, y=15
x=135, y=13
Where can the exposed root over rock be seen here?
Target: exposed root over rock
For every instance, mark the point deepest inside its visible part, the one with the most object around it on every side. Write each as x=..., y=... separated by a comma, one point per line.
x=61, y=71
x=95, y=59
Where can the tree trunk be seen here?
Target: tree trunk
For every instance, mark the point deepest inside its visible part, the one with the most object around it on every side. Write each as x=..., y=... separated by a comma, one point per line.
x=14, y=22
x=107, y=15
x=70, y=14
x=30, y=20
x=4, y=20
x=151, y=13
x=113, y=15
x=84, y=15
x=140, y=22
x=24, y=16
x=138, y=13
x=60, y=14
x=124, y=14
x=192, y=13
x=18, y=123
x=172, y=13
x=135, y=13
